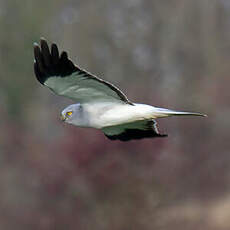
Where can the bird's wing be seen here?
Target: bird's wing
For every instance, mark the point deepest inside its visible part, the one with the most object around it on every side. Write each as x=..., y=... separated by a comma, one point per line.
x=134, y=130
x=64, y=78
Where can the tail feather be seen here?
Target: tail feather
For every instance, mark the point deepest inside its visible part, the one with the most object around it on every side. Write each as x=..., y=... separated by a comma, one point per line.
x=161, y=112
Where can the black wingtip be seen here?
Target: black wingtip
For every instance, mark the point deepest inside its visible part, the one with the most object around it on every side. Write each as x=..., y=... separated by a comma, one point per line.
x=54, y=53
x=135, y=134
x=48, y=63
x=39, y=68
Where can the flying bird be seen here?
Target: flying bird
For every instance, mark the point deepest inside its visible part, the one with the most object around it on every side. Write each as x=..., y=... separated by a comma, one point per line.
x=100, y=104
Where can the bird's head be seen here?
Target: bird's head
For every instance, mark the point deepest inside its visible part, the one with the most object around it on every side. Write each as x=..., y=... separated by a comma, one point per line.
x=69, y=114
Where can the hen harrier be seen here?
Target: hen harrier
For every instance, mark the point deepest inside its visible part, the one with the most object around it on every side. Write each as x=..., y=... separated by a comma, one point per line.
x=101, y=105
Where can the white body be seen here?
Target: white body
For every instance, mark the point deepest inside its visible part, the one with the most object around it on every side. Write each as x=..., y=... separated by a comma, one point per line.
x=101, y=115
x=115, y=114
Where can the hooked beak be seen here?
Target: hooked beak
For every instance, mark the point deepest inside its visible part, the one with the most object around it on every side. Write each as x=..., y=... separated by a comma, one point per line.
x=62, y=117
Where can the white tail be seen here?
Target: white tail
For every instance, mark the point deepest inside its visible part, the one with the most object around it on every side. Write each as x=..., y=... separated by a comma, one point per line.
x=161, y=112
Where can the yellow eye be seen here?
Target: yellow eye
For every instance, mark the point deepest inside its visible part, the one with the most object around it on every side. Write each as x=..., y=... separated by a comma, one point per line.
x=68, y=114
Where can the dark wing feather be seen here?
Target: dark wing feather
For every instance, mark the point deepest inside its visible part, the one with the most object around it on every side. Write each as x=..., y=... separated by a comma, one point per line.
x=133, y=131
x=64, y=78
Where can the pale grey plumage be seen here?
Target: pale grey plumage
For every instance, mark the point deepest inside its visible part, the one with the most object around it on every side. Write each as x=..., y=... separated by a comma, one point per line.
x=101, y=104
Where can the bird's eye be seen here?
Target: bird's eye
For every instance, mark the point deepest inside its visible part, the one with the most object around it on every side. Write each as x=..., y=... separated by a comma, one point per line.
x=68, y=114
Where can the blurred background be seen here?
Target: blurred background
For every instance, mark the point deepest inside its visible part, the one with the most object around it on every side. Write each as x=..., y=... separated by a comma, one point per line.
x=173, y=54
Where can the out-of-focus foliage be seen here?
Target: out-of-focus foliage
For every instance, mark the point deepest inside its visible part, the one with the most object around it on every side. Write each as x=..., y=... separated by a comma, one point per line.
x=171, y=54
